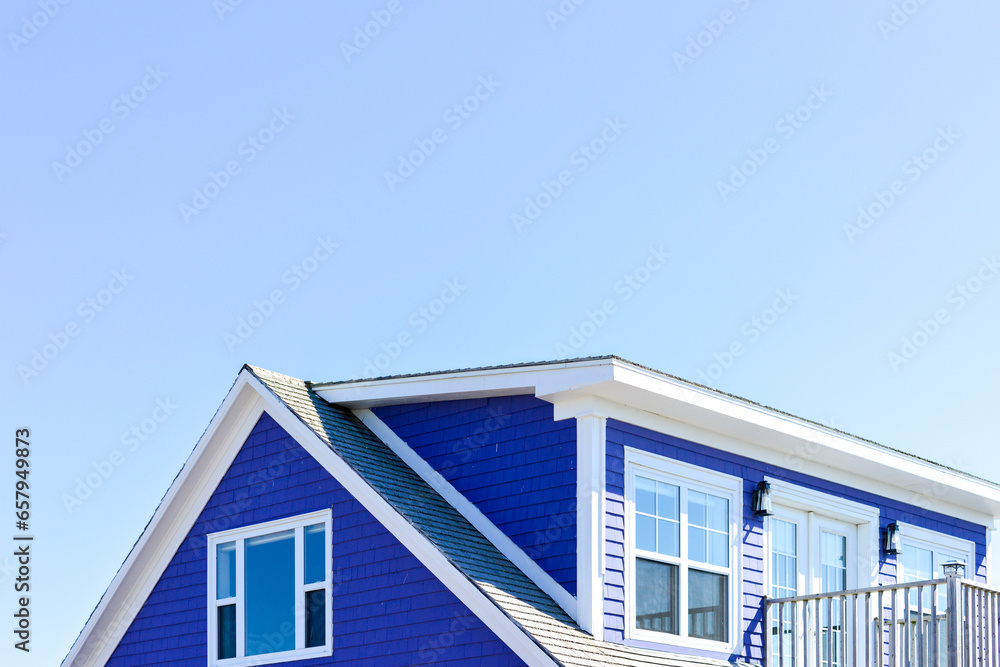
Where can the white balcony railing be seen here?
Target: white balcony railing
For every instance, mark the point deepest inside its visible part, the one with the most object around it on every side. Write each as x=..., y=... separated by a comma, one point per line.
x=947, y=622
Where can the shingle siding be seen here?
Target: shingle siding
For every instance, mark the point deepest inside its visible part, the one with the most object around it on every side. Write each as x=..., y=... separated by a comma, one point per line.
x=621, y=435
x=510, y=458
x=388, y=609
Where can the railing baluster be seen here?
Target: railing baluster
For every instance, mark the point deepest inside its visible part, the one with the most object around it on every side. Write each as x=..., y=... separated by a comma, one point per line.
x=892, y=628
x=868, y=630
x=795, y=634
x=842, y=634
x=781, y=635
x=818, y=620
x=921, y=657
x=934, y=649
x=993, y=620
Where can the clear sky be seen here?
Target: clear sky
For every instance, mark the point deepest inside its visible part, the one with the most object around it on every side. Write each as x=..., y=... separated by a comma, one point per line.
x=803, y=194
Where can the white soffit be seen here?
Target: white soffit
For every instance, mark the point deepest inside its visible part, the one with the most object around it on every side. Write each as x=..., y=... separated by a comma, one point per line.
x=582, y=387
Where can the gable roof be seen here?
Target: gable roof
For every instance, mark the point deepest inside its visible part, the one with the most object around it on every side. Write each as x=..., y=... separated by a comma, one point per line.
x=523, y=616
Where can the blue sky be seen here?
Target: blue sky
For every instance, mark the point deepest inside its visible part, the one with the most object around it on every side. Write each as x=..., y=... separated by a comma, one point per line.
x=803, y=195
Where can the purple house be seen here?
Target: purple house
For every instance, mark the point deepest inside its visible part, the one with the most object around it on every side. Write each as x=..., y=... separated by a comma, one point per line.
x=591, y=512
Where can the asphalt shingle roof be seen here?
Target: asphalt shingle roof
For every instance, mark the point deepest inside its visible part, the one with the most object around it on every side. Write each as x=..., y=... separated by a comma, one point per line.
x=465, y=547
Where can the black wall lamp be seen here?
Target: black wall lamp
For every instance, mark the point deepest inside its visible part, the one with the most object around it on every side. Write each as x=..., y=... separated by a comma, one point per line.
x=762, y=500
x=891, y=540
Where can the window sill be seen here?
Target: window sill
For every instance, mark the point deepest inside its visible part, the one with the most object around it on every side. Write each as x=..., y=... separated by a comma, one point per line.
x=272, y=658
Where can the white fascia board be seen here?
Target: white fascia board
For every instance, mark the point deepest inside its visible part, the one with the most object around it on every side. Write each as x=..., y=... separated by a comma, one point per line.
x=805, y=460
x=538, y=380
x=770, y=432
x=514, y=553
x=569, y=386
x=170, y=524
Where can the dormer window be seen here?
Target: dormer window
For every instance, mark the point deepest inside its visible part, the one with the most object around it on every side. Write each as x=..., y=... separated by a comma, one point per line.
x=684, y=542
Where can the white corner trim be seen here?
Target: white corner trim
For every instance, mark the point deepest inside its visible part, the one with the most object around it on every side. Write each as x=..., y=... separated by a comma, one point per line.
x=170, y=524
x=590, y=463
x=454, y=497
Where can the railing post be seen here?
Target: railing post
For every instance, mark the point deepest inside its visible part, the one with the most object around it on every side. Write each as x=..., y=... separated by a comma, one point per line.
x=954, y=586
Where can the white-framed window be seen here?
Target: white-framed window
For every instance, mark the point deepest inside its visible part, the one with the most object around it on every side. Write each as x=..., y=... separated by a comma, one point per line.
x=269, y=592
x=816, y=543
x=924, y=551
x=683, y=571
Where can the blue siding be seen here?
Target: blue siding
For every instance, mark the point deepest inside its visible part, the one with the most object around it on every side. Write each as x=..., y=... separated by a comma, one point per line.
x=621, y=435
x=388, y=609
x=507, y=456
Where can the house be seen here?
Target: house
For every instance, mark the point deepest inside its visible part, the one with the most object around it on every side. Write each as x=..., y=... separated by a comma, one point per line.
x=578, y=513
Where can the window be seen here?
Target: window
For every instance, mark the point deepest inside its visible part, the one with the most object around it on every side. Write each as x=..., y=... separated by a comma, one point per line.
x=684, y=542
x=817, y=543
x=269, y=591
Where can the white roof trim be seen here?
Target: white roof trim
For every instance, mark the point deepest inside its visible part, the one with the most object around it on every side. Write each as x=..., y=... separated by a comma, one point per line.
x=571, y=385
x=194, y=486
x=506, y=546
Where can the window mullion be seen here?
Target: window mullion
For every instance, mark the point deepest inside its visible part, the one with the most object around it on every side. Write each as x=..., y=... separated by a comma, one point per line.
x=240, y=600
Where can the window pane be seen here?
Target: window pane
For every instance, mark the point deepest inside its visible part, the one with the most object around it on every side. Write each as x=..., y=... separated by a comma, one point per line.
x=315, y=618
x=697, y=510
x=718, y=549
x=656, y=596
x=784, y=558
x=225, y=570
x=668, y=538
x=718, y=514
x=269, y=565
x=918, y=564
x=698, y=544
x=833, y=550
x=645, y=532
x=668, y=501
x=227, y=631
x=708, y=605
x=315, y=553
x=645, y=495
